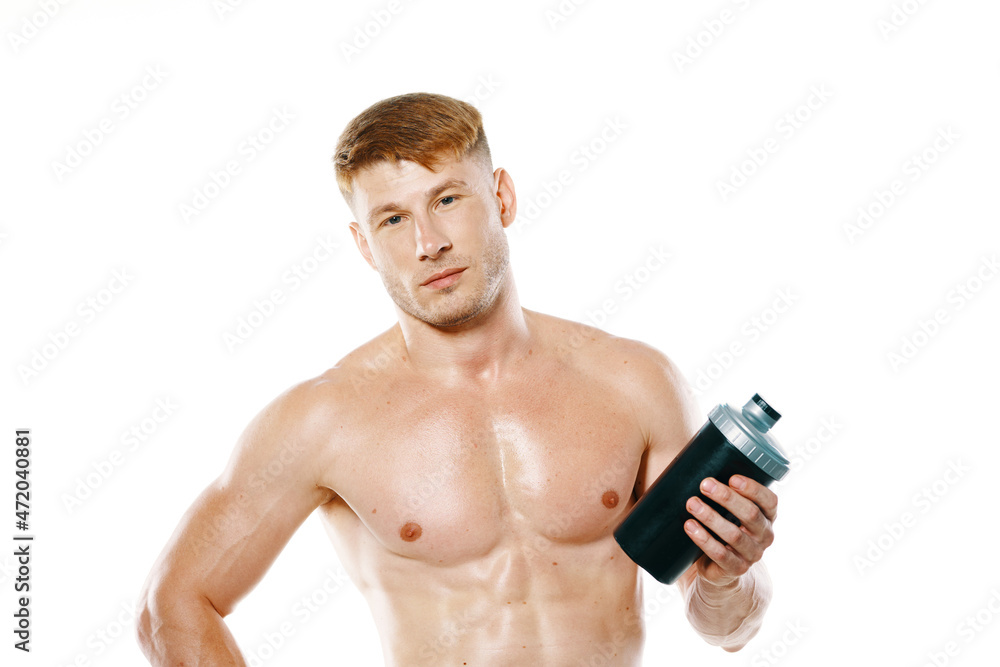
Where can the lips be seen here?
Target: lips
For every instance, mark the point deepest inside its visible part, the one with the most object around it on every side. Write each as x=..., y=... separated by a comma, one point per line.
x=441, y=274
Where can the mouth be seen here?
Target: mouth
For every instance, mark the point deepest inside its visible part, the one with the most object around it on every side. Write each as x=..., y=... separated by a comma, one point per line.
x=443, y=278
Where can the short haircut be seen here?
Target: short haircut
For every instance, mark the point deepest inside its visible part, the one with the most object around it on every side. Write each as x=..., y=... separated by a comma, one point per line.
x=424, y=128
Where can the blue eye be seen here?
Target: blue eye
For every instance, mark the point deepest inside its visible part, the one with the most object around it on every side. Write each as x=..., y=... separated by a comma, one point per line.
x=445, y=200
x=390, y=220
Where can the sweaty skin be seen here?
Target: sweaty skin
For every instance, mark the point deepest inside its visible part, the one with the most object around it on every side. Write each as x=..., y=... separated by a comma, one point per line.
x=469, y=464
x=492, y=540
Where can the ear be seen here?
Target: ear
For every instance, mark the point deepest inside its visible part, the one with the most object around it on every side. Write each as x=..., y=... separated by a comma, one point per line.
x=503, y=189
x=362, y=243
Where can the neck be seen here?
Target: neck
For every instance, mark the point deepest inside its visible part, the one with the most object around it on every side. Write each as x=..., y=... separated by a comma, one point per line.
x=481, y=350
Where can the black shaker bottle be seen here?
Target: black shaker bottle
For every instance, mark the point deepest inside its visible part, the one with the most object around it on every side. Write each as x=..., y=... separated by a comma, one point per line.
x=731, y=442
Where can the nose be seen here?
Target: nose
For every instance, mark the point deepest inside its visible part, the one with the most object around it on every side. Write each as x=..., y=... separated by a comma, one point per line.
x=430, y=240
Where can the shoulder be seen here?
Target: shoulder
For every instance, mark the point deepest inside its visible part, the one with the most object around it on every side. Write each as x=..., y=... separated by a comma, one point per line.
x=311, y=410
x=647, y=376
x=371, y=361
x=636, y=361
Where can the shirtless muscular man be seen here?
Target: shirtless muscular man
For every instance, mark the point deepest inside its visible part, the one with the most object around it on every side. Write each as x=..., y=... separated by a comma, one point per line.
x=539, y=433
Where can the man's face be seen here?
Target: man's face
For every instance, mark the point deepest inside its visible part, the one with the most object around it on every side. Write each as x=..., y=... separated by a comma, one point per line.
x=414, y=223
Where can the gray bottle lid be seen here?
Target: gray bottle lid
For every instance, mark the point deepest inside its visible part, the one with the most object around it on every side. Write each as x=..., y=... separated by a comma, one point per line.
x=747, y=430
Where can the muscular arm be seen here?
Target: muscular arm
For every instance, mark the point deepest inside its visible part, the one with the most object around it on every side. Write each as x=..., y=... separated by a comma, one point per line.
x=233, y=532
x=726, y=611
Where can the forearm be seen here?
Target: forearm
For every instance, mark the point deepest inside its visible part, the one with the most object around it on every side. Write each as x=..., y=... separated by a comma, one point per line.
x=731, y=615
x=186, y=631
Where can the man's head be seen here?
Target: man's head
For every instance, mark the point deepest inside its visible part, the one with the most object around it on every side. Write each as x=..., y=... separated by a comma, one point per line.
x=416, y=172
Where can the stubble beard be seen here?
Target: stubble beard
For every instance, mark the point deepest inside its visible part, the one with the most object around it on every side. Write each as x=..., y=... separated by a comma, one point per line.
x=452, y=311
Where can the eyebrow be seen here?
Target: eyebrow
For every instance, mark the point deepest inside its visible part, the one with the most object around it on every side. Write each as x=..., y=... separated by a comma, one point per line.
x=429, y=194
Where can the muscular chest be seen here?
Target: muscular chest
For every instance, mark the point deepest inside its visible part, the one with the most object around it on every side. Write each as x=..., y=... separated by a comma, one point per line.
x=450, y=484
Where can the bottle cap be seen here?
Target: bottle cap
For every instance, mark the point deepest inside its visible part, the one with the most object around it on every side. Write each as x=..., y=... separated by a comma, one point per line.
x=760, y=414
x=747, y=430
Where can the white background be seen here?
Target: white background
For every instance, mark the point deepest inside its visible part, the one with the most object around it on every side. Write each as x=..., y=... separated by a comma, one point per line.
x=857, y=585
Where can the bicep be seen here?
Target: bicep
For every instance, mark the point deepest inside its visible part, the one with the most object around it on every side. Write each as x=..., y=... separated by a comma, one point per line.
x=238, y=525
x=667, y=412
x=671, y=417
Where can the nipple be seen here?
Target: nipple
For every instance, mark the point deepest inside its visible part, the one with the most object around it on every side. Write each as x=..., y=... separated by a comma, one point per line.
x=610, y=499
x=411, y=531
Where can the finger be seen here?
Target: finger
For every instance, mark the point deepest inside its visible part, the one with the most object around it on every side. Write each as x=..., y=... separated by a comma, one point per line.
x=744, y=509
x=742, y=542
x=731, y=563
x=760, y=495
